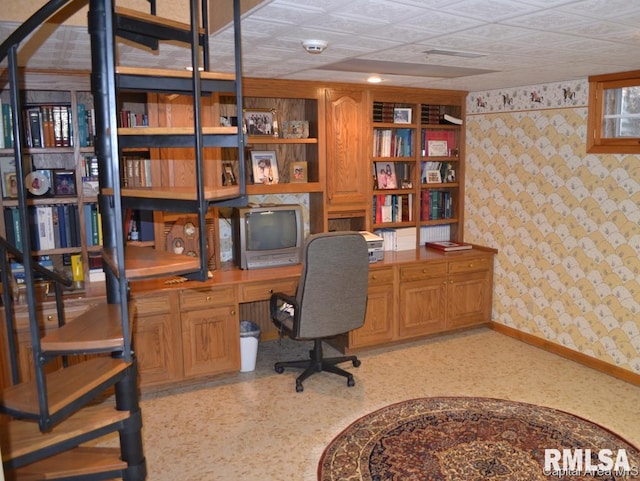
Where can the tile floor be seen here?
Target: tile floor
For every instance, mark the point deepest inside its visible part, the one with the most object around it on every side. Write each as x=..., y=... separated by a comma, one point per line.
x=255, y=427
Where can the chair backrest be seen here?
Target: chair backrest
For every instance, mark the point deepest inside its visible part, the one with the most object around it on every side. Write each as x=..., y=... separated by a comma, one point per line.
x=332, y=292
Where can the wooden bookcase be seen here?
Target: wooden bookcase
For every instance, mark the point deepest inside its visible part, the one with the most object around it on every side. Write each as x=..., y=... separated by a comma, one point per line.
x=416, y=161
x=57, y=132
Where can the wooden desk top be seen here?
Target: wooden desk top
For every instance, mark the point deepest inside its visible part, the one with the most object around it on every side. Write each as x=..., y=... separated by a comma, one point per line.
x=230, y=274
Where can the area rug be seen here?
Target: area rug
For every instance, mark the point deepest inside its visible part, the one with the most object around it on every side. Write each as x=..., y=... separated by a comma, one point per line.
x=474, y=439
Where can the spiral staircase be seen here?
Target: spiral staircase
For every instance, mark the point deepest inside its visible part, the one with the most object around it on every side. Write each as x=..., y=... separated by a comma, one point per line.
x=59, y=417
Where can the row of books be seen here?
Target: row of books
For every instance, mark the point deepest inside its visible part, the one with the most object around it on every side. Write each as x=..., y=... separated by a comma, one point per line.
x=18, y=272
x=438, y=143
x=55, y=226
x=392, y=208
x=136, y=171
x=49, y=125
x=437, y=114
x=435, y=204
x=127, y=118
x=393, y=142
x=400, y=239
x=384, y=111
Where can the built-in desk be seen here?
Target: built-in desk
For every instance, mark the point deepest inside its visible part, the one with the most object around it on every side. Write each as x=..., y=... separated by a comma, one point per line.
x=186, y=331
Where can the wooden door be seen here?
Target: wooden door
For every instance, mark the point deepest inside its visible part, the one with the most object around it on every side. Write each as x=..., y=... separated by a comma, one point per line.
x=469, y=299
x=346, y=132
x=422, y=307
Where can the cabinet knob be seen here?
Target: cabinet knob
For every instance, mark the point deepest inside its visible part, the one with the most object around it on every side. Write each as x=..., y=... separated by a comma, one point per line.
x=270, y=291
x=470, y=264
x=49, y=317
x=233, y=312
x=424, y=271
x=208, y=298
x=374, y=277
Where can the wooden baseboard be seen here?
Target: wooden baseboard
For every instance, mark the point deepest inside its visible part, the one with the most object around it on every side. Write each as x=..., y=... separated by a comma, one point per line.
x=615, y=371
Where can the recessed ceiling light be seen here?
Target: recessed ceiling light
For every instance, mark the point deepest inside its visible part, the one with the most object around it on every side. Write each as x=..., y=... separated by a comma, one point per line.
x=374, y=79
x=190, y=69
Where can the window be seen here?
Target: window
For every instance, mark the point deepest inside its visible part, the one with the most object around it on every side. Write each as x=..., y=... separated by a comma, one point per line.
x=614, y=113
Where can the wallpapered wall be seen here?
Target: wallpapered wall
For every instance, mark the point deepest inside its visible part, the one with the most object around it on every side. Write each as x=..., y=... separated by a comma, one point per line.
x=566, y=223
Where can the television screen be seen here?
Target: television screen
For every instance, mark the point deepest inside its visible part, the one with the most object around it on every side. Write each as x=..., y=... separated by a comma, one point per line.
x=271, y=230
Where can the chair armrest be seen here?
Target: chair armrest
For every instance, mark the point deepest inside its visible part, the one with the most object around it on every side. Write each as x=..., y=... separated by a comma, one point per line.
x=277, y=300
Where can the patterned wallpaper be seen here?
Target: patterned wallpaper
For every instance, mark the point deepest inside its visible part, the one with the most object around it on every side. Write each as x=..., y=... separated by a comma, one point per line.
x=566, y=223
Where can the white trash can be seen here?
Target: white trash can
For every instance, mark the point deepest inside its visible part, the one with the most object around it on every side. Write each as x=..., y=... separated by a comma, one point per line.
x=249, y=338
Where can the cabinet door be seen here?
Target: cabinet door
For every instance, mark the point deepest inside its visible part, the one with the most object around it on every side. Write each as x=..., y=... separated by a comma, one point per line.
x=378, y=323
x=346, y=167
x=156, y=339
x=469, y=299
x=210, y=341
x=422, y=307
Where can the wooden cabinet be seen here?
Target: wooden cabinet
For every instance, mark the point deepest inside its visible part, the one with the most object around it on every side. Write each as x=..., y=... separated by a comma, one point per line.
x=378, y=325
x=469, y=291
x=210, y=327
x=157, y=338
x=422, y=298
x=347, y=178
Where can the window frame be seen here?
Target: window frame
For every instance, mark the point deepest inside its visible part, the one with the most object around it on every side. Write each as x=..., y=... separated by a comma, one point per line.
x=595, y=142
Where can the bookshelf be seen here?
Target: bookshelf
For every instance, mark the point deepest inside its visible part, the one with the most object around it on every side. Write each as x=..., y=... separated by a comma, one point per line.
x=61, y=172
x=416, y=164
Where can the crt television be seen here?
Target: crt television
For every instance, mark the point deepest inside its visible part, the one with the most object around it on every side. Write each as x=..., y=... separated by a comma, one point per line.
x=267, y=235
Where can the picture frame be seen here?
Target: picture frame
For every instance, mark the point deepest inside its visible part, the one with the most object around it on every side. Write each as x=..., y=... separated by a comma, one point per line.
x=10, y=186
x=298, y=172
x=64, y=183
x=386, y=177
x=434, y=177
x=437, y=148
x=260, y=122
x=264, y=167
x=7, y=167
x=228, y=176
x=295, y=129
x=401, y=115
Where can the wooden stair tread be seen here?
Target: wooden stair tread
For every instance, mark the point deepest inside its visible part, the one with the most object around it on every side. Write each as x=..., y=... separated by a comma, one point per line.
x=144, y=262
x=176, y=131
x=98, y=329
x=63, y=386
x=76, y=462
x=154, y=19
x=161, y=72
x=177, y=193
x=24, y=437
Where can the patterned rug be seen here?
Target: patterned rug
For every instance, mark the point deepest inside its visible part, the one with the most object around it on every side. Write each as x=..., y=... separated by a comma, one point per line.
x=474, y=439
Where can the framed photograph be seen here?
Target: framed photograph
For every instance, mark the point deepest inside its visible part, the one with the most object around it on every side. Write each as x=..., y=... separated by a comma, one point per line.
x=298, y=172
x=7, y=167
x=265, y=167
x=260, y=122
x=64, y=183
x=437, y=148
x=386, y=176
x=434, y=177
x=401, y=116
x=295, y=129
x=228, y=177
x=10, y=185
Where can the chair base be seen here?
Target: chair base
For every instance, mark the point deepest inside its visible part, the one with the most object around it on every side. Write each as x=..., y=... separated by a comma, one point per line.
x=317, y=363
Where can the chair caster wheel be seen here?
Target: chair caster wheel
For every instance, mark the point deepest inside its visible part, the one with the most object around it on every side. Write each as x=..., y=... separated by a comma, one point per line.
x=356, y=363
x=279, y=369
x=299, y=387
x=351, y=382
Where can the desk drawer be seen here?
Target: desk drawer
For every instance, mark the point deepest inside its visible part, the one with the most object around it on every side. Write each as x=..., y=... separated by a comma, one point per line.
x=469, y=265
x=423, y=270
x=381, y=276
x=202, y=298
x=152, y=305
x=261, y=291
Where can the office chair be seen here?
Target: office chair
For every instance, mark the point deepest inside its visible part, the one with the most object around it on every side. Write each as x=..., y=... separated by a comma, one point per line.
x=330, y=300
